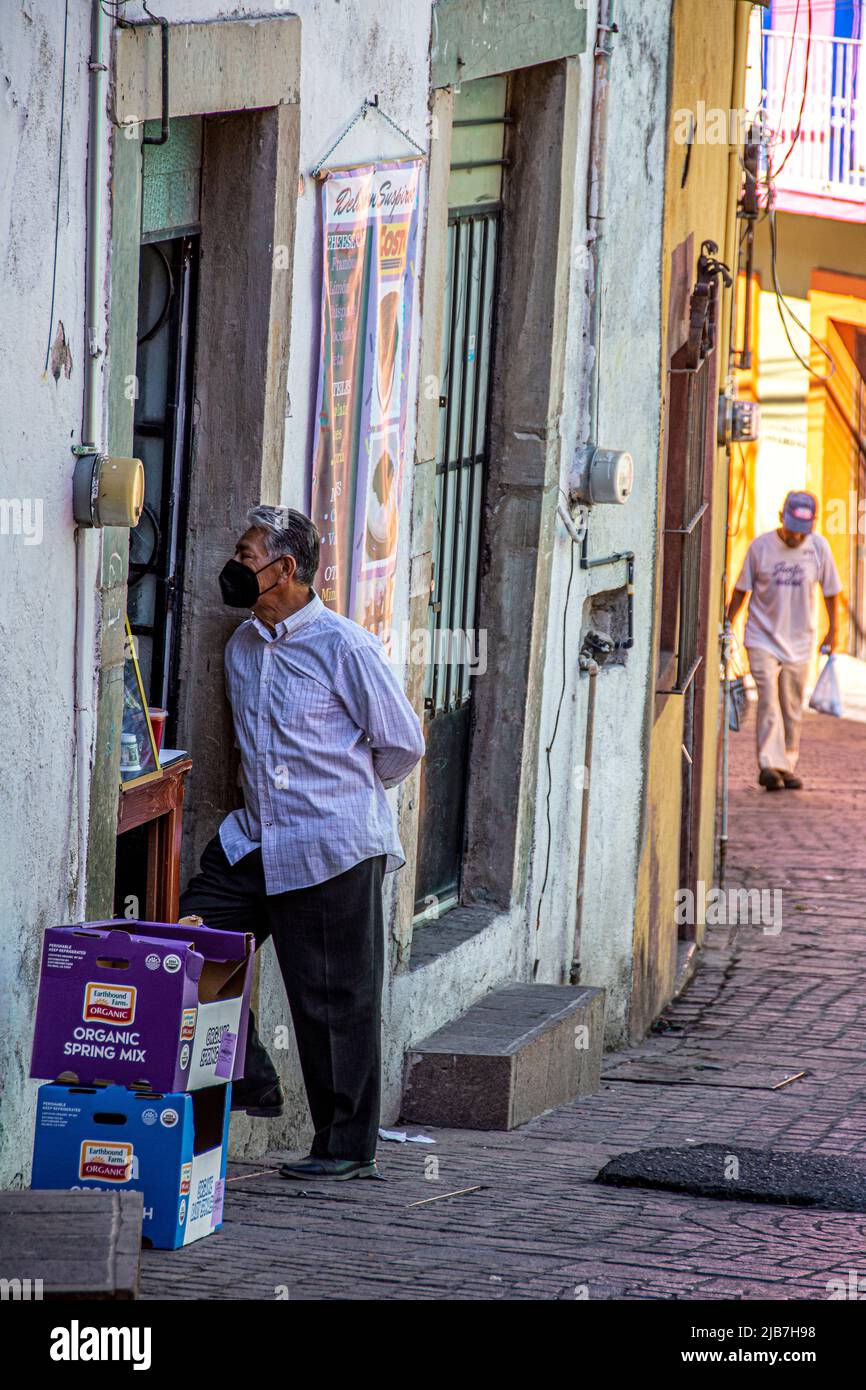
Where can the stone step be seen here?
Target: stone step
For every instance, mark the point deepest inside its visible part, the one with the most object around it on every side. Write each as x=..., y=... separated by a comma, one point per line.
x=520, y=1050
x=70, y=1245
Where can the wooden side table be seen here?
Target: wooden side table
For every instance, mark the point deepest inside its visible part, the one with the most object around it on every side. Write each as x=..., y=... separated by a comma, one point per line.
x=159, y=805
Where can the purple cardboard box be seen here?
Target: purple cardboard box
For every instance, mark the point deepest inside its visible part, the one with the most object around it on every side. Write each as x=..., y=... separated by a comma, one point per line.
x=143, y=1002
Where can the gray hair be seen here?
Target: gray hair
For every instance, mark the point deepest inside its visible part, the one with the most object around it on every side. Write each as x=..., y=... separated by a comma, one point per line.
x=287, y=532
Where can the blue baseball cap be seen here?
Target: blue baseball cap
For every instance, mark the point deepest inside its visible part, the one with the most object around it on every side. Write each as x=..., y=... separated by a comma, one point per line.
x=799, y=512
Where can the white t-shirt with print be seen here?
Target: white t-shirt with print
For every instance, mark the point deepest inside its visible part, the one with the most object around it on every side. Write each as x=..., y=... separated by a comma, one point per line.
x=781, y=580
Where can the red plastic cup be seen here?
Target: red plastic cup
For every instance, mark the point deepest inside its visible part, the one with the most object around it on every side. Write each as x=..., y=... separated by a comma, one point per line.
x=157, y=719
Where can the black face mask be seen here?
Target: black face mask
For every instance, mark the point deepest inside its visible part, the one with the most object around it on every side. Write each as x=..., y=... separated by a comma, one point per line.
x=239, y=586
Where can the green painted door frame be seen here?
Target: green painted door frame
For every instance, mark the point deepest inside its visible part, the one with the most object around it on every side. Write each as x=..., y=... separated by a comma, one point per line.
x=111, y=600
x=479, y=38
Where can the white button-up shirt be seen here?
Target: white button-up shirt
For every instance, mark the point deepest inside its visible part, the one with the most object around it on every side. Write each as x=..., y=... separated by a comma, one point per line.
x=323, y=727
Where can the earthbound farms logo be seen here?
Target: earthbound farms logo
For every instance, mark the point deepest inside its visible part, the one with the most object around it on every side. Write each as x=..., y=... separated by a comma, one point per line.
x=109, y=1003
x=187, y=1025
x=101, y=1162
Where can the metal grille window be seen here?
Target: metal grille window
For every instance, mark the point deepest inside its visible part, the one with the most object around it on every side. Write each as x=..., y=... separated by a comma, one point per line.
x=473, y=240
x=685, y=508
x=691, y=437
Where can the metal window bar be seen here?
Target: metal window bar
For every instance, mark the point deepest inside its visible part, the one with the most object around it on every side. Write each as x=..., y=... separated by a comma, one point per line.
x=691, y=542
x=690, y=530
x=693, y=440
x=462, y=461
x=481, y=164
x=688, y=658
x=483, y=120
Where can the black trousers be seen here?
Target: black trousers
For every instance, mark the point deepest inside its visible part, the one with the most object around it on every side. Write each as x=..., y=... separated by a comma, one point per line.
x=329, y=942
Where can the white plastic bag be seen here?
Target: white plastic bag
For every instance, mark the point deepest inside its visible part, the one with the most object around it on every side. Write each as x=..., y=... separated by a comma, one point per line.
x=850, y=674
x=826, y=698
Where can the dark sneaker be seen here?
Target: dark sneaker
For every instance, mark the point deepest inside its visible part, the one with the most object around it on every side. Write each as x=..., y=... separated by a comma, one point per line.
x=330, y=1169
x=793, y=784
x=771, y=779
x=261, y=1100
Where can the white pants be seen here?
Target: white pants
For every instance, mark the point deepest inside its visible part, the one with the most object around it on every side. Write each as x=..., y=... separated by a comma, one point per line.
x=780, y=708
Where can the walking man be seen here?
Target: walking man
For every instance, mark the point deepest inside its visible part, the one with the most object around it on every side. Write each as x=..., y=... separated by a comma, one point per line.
x=323, y=728
x=779, y=575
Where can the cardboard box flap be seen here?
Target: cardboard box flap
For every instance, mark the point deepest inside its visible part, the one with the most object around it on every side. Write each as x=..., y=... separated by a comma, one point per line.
x=123, y=948
x=221, y=979
x=212, y=942
x=224, y=954
x=120, y=939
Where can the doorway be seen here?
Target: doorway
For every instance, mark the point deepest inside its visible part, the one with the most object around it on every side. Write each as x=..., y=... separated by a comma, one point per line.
x=162, y=394
x=166, y=323
x=471, y=280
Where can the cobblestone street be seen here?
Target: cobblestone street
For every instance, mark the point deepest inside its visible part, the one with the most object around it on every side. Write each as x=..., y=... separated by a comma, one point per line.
x=760, y=1009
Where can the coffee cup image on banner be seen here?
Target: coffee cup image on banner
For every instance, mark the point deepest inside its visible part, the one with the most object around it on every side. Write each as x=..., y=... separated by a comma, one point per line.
x=383, y=521
x=389, y=332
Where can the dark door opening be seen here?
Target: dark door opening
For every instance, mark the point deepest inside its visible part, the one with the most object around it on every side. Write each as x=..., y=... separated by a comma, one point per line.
x=166, y=324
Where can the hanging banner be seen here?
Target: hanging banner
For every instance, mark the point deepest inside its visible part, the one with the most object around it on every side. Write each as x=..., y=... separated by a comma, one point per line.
x=370, y=225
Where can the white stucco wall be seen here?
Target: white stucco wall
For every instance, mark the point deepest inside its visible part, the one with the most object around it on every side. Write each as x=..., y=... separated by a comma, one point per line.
x=41, y=420
x=630, y=346
x=351, y=49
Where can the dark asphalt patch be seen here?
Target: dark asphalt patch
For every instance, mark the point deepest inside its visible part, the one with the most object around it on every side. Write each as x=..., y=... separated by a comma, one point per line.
x=734, y=1173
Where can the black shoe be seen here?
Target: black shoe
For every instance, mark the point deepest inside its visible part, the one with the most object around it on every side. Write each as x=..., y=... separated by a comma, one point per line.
x=330, y=1169
x=771, y=779
x=793, y=783
x=263, y=1100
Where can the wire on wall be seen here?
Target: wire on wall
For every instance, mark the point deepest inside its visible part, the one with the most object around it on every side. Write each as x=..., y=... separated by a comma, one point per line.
x=784, y=307
x=798, y=128
x=549, y=749
x=742, y=501
x=57, y=198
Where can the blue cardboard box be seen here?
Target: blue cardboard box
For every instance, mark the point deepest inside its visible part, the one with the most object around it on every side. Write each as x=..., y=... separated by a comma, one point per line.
x=170, y=1147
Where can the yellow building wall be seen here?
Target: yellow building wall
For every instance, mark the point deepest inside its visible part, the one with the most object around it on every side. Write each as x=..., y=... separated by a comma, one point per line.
x=834, y=408
x=708, y=66
x=820, y=268
x=805, y=242
x=809, y=427
x=742, y=503
x=776, y=464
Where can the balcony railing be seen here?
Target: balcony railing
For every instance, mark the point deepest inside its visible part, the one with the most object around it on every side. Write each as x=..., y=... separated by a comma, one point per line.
x=827, y=159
